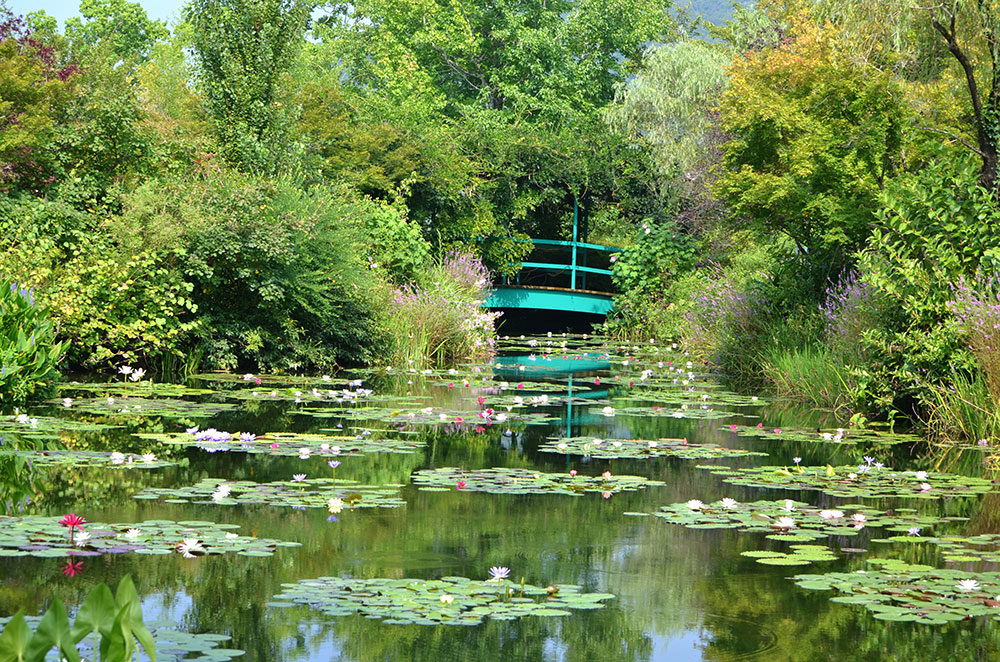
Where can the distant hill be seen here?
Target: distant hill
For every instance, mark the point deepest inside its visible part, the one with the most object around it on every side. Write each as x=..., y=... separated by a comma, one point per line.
x=713, y=11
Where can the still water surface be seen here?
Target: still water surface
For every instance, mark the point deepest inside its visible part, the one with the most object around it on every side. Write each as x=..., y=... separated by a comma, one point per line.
x=682, y=595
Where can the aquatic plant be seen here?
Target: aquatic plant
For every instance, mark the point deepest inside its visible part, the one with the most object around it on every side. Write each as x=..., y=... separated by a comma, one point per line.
x=445, y=601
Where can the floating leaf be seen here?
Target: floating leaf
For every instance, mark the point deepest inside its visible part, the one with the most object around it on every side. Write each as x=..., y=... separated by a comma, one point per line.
x=447, y=601
x=525, y=481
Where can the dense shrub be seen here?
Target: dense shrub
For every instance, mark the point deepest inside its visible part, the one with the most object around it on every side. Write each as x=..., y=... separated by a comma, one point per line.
x=107, y=302
x=28, y=350
x=278, y=273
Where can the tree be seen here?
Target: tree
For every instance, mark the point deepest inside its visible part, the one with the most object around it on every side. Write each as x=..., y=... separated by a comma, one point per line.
x=35, y=88
x=951, y=42
x=244, y=49
x=122, y=24
x=813, y=140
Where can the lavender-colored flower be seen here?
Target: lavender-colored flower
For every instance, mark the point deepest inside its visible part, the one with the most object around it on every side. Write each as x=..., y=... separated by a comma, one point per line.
x=915, y=531
x=334, y=464
x=247, y=437
x=298, y=478
x=498, y=573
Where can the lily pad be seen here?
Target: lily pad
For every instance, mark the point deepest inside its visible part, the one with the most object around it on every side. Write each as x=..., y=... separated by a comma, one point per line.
x=640, y=448
x=304, y=493
x=858, y=481
x=447, y=601
x=504, y=480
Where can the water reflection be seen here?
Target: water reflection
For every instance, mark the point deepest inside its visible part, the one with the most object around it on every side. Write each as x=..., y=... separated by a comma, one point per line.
x=680, y=594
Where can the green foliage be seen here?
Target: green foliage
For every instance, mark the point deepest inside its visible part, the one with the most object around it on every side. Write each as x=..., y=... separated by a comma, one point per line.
x=122, y=25
x=660, y=254
x=34, y=92
x=936, y=228
x=105, y=302
x=669, y=103
x=115, y=619
x=29, y=353
x=244, y=49
x=277, y=272
x=814, y=138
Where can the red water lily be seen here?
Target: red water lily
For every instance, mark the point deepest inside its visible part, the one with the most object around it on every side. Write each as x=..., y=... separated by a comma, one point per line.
x=73, y=521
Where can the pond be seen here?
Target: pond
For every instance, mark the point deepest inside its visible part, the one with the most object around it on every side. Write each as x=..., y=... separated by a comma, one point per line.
x=574, y=500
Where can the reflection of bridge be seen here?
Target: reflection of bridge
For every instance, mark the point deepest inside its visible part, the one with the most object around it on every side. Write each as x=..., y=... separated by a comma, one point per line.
x=572, y=276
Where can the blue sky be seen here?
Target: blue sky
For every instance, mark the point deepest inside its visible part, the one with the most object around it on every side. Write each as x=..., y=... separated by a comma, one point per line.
x=164, y=10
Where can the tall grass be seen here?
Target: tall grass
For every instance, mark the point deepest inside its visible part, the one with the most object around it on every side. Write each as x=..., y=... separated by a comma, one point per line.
x=964, y=410
x=809, y=374
x=440, y=320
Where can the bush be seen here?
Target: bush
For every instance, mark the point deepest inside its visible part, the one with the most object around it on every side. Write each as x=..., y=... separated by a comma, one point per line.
x=28, y=350
x=278, y=274
x=107, y=301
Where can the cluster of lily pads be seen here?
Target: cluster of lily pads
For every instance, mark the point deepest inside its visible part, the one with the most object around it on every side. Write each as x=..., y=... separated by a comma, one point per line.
x=851, y=436
x=88, y=459
x=640, y=448
x=504, y=480
x=795, y=521
x=898, y=591
x=48, y=537
x=865, y=480
x=295, y=444
x=446, y=601
x=299, y=492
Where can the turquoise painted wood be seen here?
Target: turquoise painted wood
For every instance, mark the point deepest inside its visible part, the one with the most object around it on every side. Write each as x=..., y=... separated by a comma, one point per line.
x=549, y=299
x=512, y=295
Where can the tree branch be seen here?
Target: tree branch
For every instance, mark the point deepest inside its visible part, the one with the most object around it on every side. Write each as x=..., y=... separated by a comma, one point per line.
x=958, y=138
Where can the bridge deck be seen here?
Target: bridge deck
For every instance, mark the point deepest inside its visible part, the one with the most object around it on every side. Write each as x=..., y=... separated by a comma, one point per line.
x=550, y=298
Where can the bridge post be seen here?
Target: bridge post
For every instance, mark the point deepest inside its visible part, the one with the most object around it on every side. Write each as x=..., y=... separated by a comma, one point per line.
x=572, y=268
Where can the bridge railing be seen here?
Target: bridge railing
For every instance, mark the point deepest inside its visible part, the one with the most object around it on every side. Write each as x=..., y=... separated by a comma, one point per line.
x=573, y=265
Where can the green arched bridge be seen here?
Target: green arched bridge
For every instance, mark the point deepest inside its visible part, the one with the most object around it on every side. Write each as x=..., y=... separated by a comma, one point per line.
x=569, y=276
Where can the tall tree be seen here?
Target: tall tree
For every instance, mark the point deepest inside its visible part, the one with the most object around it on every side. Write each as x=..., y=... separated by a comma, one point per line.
x=122, y=24
x=940, y=42
x=244, y=49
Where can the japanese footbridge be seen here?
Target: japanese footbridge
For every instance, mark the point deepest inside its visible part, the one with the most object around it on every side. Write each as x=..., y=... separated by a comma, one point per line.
x=569, y=276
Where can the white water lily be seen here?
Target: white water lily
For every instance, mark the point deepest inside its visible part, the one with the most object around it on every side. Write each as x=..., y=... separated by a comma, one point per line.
x=81, y=538
x=608, y=411
x=920, y=475
x=785, y=523
x=148, y=458
x=859, y=518
x=137, y=374
x=304, y=453
x=967, y=585
x=695, y=504
x=231, y=536
x=831, y=514
x=125, y=370
x=562, y=446
x=67, y=402
x=117, y=458
x=335, y=505
x=730, y=503
x=652, y=444
x=132, y=534
x=789, y=505
x=189, y=546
